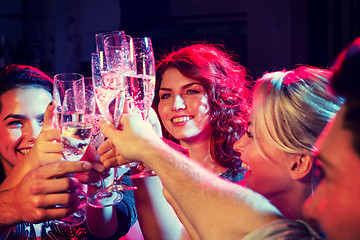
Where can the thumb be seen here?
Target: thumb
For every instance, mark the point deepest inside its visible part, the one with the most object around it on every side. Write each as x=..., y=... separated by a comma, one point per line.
x=49, y=116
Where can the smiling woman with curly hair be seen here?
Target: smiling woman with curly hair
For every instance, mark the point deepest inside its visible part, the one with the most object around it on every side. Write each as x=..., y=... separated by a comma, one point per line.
x=202, y=98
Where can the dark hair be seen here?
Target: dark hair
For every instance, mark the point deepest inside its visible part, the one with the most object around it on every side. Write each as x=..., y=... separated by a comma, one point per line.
x=346, y=83
x=19, y=76
x=226, y=84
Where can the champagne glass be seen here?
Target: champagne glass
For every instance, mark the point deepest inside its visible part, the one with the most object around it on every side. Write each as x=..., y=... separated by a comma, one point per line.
x=119, y=54
x=110, y=99
x=75, y=111
x=119, y=57
x=96, y=135
x=100, y=199
x=76, y=123
x=141, y=83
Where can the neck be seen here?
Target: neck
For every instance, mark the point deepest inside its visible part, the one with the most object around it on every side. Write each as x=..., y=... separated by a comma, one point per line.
x=200, y=152
x=7, y=167
x=290, y=202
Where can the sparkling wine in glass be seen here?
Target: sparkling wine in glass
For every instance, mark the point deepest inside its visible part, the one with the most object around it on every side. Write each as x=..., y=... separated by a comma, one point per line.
x=75, y=138
x=108, y=89
x=141, y=88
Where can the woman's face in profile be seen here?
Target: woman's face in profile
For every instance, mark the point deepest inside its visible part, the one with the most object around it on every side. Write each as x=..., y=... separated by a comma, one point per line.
x=184, y=107
x=267, y=165
x=21, y=120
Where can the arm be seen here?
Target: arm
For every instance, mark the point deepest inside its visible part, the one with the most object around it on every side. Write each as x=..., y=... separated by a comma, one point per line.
x=101, y=222
x=201, y=194
x=190, y=230
x=157, y=218
x=110, y=222
x=35, y=198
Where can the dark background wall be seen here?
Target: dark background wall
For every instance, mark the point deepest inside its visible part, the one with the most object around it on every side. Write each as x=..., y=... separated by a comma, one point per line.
x=58, y=36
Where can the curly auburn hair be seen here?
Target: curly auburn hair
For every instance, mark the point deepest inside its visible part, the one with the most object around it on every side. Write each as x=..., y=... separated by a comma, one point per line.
x=225, y=82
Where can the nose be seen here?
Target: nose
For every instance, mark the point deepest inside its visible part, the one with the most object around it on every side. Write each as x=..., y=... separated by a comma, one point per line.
x=239, y=144
x=179, y=103
x=31, y=132
x=315, y=205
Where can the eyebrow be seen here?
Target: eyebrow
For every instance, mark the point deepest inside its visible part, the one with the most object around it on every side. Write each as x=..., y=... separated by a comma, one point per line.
x=185, y=86
x=20, y=116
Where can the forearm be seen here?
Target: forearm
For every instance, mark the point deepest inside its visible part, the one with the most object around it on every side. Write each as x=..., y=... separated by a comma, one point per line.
x=217, y=209
x=101, y=222
x=200, y=194
x=16, y=175
x=9, y=215
x=156, y=217
x=190, y=230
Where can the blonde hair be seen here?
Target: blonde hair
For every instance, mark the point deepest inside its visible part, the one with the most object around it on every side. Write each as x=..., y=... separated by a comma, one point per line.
x=291, y=108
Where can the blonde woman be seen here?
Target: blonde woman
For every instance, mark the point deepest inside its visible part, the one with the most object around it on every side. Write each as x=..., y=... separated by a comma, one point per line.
x=290, y=110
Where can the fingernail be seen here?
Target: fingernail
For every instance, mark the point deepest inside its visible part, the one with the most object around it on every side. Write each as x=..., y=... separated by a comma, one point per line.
x=101, y=123
x=86, y=165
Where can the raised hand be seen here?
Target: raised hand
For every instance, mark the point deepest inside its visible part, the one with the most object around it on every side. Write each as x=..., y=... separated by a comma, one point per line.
x=127, y=144
x=35, y=198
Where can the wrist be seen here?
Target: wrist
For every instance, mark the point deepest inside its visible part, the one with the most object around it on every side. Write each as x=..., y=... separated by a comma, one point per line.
x=8, y=207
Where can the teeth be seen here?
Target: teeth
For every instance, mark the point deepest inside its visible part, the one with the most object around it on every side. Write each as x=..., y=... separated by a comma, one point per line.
x=24, y=151
x=181, y=119
x=244, y=165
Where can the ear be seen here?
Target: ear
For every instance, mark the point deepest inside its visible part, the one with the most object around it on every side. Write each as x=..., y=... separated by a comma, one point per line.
x=301, y=165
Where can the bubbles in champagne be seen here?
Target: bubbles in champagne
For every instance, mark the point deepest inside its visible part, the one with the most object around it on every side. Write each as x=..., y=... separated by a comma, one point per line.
x=141, y=89
x=96, y=136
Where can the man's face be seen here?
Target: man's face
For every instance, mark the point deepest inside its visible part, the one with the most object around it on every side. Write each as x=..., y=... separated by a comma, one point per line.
x=336, y=201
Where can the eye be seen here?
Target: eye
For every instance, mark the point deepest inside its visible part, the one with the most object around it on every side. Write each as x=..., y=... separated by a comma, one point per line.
x=165, y=96
x=41, y=122
x=15, y=124
x=192, y=91
x=248, y=133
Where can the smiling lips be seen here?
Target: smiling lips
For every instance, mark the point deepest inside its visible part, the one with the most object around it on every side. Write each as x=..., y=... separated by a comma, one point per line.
x=245, y=165
x=248, y=170
x=24, y=150
x=181, y=119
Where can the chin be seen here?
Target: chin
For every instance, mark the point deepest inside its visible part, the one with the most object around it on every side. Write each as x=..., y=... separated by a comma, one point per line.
x=19, y=156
